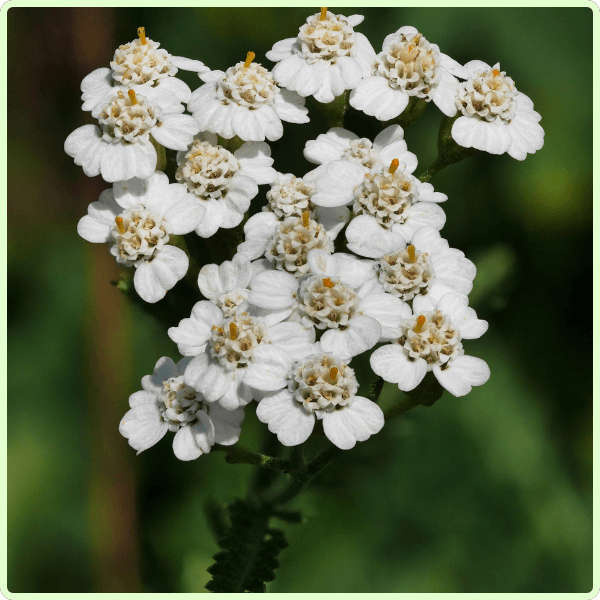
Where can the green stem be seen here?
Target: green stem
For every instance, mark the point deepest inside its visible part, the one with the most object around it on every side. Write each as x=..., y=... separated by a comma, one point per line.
x=237, y=455
x=438, y=164
x=414, y=109
x=375, y=388
x=231, y=144
x=161, y=155
x=335, y=111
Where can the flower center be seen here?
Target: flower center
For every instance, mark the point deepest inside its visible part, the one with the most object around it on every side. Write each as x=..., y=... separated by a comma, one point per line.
x=247, y=84
x=361, y=151
x=326, y=37
x=410, y=64
x=179, y=403
x=322, y=384
x=431, y=336
x=207, y=170
x=296, y=237
x=230, y=301
x=406, y=273
x=489, y=95
x=233, y=342
x=141, y=61
x=291, y=198
x=128, y=118
x=137, y=235
x=386, y=195
x=327, y=302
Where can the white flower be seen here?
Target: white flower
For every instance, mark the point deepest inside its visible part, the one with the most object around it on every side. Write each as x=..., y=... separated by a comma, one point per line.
x=341, y=144
x=224, y=347
x=226, y=285
x=225, y=182
x=318, y=387
x=286, y=244
x=143, y=67
x=388, y=202
x=136, y=218
x=495, y=117
x=245, y=102
x=408, y=65
x=289, y=196
x=425, y=271
x=327, y=58
x=431, y=341
x=166, y=403
x=122, y=148
x=337, y=297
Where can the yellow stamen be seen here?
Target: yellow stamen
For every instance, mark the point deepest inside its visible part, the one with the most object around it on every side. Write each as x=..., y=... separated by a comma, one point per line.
x=495, y=72
x=120, y=94
x=394, y=166
x=323, y=13
x=420, y=322
x=328, y=283
x=305, y=218
x=333, y=372
x=132, y=97
x=233, y=331
x=120, y=226
x=249, y=58
x=142, y=34
x=412, y=256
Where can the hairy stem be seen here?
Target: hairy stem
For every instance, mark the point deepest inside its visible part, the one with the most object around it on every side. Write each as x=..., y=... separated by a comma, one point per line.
x=335, y=111
x=237, y=455
x=438, y=164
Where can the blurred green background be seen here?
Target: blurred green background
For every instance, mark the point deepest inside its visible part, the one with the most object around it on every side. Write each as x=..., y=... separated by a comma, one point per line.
x=487, y=493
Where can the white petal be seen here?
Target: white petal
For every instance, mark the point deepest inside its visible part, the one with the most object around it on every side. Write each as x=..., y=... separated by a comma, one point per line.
x=176, y=131
x=374, y=97
x=321, y=152
x=420, y=214
x=227, y=424
x=273, y=289
x=256, y=162
x=87, y=147
x=394, y=364
x=93, y=231
x=184, y=214
x=362, y=334
x=456, y=272
x=273, y=127
x=454, y=68
x=333, y=219
x=336, y=187
x=184, y=444
x=191, y=335
x=388, y=310
x=281, y=50
x=238, y=394
x=367, y=238
x=354, y=423
x=428, y=239
x=187, y=64
x=208, y=377
x=269, y=368
x=153, y=279
x=289, y=106
x=445, y=93
x=240, y=191
x=475, y=66
x=213, y=218
x=294, y=338
x=527, y=136
x=471, y=132
x=286, y=417
x=365, y=55
x=123, y=161
x=142, y=426
x=427, y=194
x=351, y=270
x=247, y=124
x=465, y=318
x=461, y=374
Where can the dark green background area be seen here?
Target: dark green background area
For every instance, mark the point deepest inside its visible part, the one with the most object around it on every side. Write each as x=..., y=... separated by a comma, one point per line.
x=487, y=493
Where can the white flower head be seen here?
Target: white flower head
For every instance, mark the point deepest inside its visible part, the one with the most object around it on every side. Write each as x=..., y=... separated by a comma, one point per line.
x=224, y=347
x=408, y=66
x=136, y=218
x=167, y=403
x=226, y=285
x=321, y=386
x=425, y=270
x=225, y=182
x=286, y=243
x=245, y=102
x=326, y=58
x=431, y=341
x=289, y=196
x=121, y=147
x=390, y=204
x=494, y=116
x=341, y=144
x=140, y=65
x=340, y=297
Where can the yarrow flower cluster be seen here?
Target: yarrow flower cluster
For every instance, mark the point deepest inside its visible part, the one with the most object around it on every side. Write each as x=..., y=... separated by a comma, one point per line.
x=325, y=266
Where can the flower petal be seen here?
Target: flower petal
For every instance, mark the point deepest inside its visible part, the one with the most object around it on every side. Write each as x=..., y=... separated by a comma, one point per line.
x=286, y=417
x=461, y=374
x=354, y=423
x=394, y=364
x=269, y=368
x=361, y=335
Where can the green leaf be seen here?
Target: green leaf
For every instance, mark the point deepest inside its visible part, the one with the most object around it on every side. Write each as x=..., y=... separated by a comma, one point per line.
x=250, y=550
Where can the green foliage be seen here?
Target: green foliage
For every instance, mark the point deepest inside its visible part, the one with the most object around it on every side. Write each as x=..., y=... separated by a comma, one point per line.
x=250, y=549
